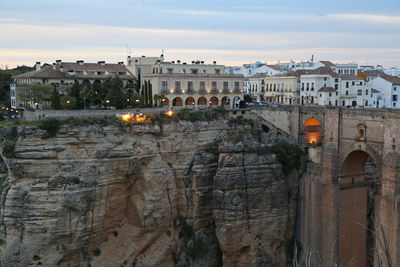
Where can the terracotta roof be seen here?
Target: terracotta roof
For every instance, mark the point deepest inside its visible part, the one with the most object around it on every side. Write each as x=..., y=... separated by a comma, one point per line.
x=326, y=89
x=44, y=73
x=275, y=67
x=50, y=72
x=328, y=63
x=393, y=79
x=370, y=73
x=350, y=77
x=322, y=70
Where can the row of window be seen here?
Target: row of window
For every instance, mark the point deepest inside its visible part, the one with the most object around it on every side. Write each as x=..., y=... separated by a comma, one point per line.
x=190, y=88
x=191, y=71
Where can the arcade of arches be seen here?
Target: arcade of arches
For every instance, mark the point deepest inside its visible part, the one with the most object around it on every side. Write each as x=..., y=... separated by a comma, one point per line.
x=199, y=101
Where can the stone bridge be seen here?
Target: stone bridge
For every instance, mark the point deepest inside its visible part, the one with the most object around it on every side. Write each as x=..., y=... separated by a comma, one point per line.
x=349, y=199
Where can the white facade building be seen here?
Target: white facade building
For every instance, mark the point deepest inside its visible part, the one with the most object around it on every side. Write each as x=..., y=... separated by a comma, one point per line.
x=194, y=84
x=389, y=86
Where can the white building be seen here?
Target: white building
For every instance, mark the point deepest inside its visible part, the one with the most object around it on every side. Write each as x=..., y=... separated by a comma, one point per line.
x=389, y=86
x=188, y=84
x=63, y=75
x=347, y=69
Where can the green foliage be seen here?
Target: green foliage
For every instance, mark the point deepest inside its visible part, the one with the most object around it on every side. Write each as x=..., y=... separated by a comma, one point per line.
x=59, y=181
x=115, y=93
x=8, y=147
x=240, y=121
x=186, y=231
x=289, y=156
x=248, y=98
x=56, y=99
x=51, y=126
x=207, y=115
x=102, y=121
x=68, y=102
x=6, y=79
x=37, y=93
x=198, y=248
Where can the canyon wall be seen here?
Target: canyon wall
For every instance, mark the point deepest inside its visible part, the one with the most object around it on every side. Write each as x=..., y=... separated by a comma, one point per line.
x=182, y=193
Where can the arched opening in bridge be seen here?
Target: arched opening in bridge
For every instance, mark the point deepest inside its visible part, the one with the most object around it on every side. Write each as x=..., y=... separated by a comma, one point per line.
x=177, y=101
x=189, y=101
x=213, y=101
x=202, y=101
x=312, y=133
x=357, y=186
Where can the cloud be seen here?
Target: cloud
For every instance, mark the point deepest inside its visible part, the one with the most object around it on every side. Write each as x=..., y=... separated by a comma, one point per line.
x=366, y=18
x=25, y=43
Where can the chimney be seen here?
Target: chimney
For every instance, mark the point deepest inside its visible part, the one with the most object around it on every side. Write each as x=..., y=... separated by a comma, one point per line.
x=193, y=62
x=202, y=62
x=54, y=66
x=37, y=66
x=173, y=62
x=58, y=61
x=215, y=62
x=62, y=68
x=121, y=63
x=178, y=61
x=101, y=62
x=80, y=62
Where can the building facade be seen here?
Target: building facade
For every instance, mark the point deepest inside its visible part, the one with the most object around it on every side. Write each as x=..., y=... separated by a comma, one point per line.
x=63, y=75
x=188, y=85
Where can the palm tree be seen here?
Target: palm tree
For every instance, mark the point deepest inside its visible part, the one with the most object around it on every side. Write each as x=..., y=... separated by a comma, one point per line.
x=158, y=98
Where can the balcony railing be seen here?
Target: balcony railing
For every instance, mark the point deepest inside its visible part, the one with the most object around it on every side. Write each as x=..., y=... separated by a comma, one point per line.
x=225, y=90
x=214, y=91
x=178, y=91
x=190, y=91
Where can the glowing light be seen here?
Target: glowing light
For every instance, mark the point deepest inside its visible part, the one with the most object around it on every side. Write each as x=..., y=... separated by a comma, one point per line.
x=170, y=113
x=126, y=117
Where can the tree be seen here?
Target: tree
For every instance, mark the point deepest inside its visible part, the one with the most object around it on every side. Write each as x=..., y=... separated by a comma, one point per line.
x=158, y=99
x=248, y=98
x=37, y=94
x=150, y=96
x=115, y=92
x=56, y=99
x=68, y=102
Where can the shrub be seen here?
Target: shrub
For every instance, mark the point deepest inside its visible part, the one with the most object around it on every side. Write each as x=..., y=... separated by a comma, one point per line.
x=289, y=156
x=8, y=147
x=51, y=126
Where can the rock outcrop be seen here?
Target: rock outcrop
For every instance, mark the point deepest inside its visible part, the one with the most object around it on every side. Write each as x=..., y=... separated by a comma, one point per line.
x=143, y=196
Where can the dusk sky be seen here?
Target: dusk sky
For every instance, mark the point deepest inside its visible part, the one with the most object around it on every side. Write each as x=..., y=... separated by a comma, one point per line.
x=231, y=32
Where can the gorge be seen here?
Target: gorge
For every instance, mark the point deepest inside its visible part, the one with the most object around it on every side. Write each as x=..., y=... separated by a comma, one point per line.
x=176, y=193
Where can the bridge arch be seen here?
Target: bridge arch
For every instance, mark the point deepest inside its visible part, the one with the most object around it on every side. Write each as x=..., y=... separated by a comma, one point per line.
x=312, y=132
x=357, y=185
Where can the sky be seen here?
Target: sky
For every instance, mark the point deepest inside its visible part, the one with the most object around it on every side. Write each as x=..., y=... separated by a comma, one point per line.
x=231, y=32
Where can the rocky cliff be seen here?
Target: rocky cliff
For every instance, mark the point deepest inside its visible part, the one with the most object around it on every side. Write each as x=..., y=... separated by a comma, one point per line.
x=182, y=193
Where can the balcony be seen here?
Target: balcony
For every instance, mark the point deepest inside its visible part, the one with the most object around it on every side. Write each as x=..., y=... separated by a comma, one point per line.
x=214, y=91
x=190, y=91
x=225, y=91
x=178, y=91
x=237, y=90
x=202, y=91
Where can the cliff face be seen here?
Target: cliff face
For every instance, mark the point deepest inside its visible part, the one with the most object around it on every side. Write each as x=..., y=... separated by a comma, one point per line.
x=143, y=196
